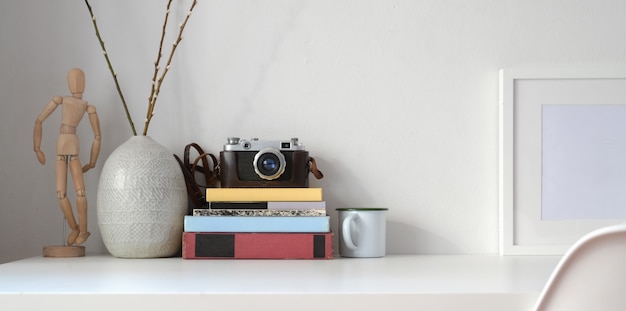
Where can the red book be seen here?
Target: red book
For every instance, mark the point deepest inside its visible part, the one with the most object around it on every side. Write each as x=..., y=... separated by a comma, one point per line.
x=250, y=245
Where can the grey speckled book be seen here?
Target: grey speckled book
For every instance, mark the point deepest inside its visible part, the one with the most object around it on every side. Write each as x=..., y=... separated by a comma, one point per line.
x=298, y=208
x=258, y=212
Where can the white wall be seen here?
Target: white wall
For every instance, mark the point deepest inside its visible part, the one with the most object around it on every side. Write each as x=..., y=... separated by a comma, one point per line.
x=397, y=100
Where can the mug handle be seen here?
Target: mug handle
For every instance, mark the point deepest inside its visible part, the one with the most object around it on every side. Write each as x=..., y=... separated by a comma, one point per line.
x=345, y=230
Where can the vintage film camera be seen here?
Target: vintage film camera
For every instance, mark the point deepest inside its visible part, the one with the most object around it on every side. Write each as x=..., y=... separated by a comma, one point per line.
x=265, y=163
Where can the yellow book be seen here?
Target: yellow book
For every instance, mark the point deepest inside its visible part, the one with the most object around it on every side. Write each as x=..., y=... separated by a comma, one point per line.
x=263, y=194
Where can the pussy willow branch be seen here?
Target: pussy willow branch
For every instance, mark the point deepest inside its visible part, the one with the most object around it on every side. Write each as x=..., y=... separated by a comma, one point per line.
x=155, y=91
x=106, y=57
x=156, y=64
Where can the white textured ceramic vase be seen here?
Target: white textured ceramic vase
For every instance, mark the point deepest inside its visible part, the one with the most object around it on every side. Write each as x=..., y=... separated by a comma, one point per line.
x=142, y=200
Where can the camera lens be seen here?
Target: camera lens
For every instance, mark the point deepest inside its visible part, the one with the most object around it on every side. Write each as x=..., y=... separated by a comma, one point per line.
x=269, y=163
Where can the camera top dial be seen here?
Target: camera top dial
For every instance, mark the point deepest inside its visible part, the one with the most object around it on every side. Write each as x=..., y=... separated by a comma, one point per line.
x=254, y=144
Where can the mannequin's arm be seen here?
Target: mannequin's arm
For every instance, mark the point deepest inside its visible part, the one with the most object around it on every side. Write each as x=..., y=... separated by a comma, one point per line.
x=38, y=131
x=95, y=146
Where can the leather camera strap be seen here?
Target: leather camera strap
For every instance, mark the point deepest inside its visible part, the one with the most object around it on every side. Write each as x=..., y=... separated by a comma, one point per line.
x=192, y=190
x=313, y=168
x=195, y=190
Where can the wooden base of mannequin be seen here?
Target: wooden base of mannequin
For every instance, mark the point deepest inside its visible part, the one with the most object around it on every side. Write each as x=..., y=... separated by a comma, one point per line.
x=61, y=251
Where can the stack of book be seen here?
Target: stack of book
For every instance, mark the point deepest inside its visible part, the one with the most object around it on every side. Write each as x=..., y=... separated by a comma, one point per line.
x=259, y=223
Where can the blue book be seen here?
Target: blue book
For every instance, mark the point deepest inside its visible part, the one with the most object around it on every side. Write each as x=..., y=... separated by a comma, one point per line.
x=257, y=224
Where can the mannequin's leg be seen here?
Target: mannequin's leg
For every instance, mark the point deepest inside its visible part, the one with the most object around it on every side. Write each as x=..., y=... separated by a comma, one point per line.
x=66, y=206
x=81, y=200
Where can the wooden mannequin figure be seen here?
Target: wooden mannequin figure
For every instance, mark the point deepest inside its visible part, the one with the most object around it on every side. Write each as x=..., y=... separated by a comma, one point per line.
x=73, y=109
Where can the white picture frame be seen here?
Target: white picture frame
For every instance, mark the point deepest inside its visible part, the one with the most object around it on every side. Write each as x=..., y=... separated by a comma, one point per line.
x=523, y=93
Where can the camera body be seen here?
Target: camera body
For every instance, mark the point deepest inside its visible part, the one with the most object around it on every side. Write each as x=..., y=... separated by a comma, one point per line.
x=264, y=164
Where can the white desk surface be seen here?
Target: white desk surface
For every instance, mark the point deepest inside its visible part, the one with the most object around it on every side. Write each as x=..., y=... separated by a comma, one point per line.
x=395, y=282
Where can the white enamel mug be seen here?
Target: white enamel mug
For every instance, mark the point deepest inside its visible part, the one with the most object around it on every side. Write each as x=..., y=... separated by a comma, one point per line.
x=362, y=231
